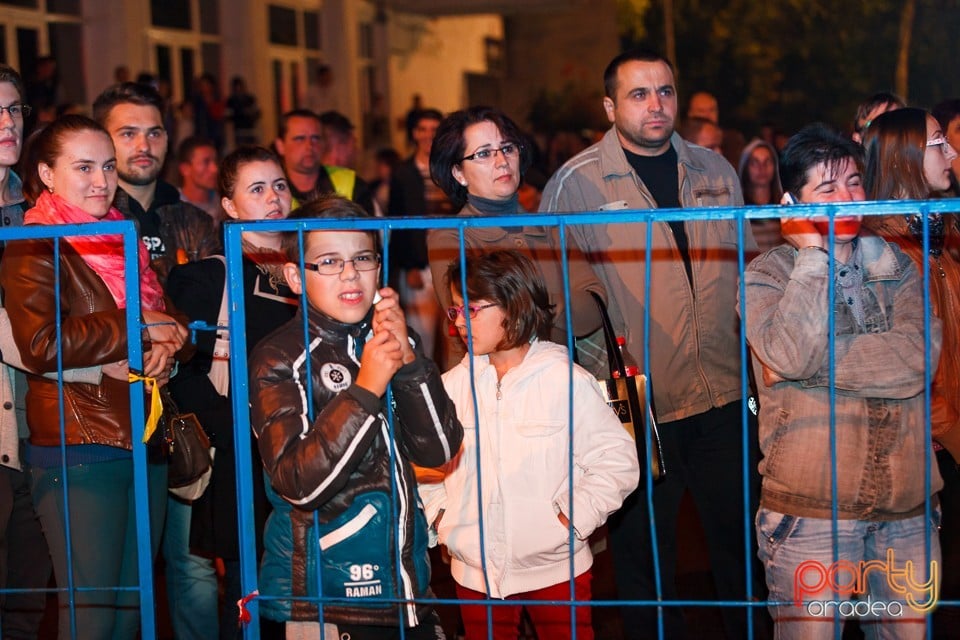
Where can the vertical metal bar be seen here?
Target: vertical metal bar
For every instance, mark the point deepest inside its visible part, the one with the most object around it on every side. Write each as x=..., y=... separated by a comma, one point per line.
x=745, y=424
x=568, y=319
x=131, y=248
x=649, y=217
x=240, y=396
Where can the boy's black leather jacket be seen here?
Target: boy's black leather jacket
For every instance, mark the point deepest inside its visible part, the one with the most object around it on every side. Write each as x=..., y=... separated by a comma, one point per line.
x=330, y=475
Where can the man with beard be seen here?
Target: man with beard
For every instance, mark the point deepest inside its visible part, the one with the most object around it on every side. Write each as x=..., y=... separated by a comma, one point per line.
x=175, y=232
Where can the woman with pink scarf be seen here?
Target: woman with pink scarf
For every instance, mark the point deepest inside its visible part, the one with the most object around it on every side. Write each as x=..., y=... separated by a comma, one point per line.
x=74, y=183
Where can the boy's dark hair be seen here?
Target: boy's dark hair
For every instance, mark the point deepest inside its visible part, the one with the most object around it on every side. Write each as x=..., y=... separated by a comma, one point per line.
x=944, y=112
x=326, y=207
x=337, y=123
x=9, y=74
x=191, y=144
x=449, y=144
x=880, y=99
x=143, y=95
x=511, y=281
x=814, y=144
x=633, y=55
x=230, y=166
x=427, y=114
x=296, y=113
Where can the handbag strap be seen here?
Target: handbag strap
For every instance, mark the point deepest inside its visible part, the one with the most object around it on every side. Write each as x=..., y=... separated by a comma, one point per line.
x=223, y=331
x=614, y=356
x=222, y=317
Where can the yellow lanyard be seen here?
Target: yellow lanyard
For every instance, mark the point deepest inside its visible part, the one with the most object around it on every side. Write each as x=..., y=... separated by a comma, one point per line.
x=156, y=407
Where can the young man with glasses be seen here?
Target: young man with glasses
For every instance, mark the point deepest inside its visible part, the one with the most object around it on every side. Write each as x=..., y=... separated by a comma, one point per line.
x=318, y=409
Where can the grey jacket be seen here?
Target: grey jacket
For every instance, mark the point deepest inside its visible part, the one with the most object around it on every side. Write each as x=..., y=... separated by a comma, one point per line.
x=540, y=244
x=694, y=331
x=879, y=383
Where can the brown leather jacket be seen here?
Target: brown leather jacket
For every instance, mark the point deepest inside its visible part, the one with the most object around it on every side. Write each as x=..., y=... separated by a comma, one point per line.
x=945, y=302
x=93, y=332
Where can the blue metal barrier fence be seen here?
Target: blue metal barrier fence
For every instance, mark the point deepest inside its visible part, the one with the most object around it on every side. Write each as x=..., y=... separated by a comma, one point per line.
x=131, y=242
x=741, y=216
x=240, y=391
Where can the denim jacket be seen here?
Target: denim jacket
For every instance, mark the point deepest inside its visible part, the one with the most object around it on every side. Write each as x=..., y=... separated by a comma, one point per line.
x=879, y=382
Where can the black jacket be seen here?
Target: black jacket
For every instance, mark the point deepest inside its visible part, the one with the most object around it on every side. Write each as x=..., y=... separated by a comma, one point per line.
x=336, y=459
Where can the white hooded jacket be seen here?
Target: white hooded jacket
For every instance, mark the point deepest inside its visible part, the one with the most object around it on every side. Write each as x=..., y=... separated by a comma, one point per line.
x=524, y=438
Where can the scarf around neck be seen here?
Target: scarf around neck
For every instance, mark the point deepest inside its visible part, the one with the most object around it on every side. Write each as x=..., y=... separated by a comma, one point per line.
x=102, y=253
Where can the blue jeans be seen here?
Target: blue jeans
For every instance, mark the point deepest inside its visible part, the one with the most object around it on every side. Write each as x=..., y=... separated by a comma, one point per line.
x=104, y=542
x=191, y=579
x=798, y=556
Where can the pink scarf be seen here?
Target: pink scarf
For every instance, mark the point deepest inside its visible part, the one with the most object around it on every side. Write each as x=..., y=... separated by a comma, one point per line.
x=103, y=253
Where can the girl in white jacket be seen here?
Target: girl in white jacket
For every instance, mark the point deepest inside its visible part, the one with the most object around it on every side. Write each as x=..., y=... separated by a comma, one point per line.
x=515, y=410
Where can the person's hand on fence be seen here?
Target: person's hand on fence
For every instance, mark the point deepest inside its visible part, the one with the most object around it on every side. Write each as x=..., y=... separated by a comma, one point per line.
x=388, y=316
x=164, y=329
x=382, y=357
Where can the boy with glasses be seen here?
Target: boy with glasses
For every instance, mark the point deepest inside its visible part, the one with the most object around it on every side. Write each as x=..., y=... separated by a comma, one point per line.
x=318, y=410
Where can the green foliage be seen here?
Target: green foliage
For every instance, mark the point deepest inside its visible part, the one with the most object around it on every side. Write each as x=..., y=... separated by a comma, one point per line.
x=793, y=61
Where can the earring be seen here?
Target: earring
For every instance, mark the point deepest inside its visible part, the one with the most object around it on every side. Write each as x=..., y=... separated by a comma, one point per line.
x=463, y=183
x=50, y=189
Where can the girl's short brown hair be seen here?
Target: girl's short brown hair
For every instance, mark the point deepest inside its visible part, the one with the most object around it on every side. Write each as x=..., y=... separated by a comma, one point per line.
x=511, y=281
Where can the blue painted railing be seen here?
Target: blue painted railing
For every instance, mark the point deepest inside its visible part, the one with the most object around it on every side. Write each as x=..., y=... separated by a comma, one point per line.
x=239, y=374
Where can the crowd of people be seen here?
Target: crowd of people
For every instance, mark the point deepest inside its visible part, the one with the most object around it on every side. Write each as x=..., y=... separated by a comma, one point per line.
x=501, y=458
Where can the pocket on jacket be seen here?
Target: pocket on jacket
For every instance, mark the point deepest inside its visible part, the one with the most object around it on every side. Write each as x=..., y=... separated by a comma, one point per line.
x=356, y=552
x=537, y=537
x=772, y=445
x=540, y=428
x=712, y=196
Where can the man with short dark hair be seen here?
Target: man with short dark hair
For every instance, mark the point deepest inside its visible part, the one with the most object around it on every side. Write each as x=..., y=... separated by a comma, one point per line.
x=704, y=105
x=704, y=133
x=858, y=403
x=341, y=140
x=872, y=107
x=642, y=163
x=301, y=146
x=175, y=232
x=197, y=162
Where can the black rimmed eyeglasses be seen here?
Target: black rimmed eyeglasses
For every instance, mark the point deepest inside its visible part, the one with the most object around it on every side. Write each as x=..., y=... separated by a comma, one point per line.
x=483, y=156
x=473, y=310
x=17, y=110
x=335, y=266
